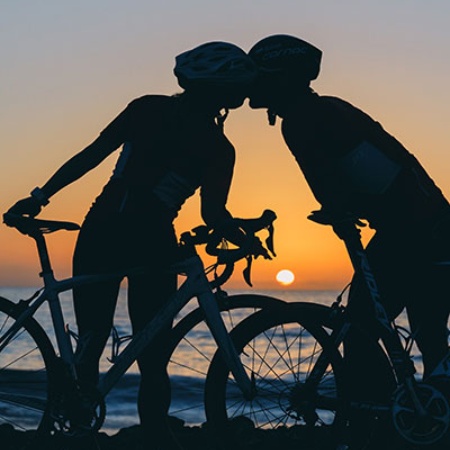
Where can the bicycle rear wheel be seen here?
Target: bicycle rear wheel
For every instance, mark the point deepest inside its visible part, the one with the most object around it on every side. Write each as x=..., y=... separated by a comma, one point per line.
x=279, y=349
x=25, y=371
x=192, y=348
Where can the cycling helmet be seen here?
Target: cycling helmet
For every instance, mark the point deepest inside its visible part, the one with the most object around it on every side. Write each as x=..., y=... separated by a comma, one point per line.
x=214, y=63
x=281, y=52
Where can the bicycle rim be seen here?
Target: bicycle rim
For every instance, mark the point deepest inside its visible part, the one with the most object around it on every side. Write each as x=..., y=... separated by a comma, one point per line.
x=24, y=376
x=279, y=351
x=191, y=351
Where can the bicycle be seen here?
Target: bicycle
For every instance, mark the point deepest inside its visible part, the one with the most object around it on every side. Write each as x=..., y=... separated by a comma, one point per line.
x=417, y=412
x=38, y=385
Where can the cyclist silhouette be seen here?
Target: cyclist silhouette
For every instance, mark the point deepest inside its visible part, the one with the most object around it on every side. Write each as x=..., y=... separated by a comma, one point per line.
x=171, y=146
x=355, y=168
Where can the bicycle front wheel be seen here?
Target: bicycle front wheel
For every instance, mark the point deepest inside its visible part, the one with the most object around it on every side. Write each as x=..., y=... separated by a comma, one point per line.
x=191, y=349
x=280, y=350
x=25, y=373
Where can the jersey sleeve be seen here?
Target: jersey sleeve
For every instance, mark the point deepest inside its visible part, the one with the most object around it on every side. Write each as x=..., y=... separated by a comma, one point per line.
x=119, y=129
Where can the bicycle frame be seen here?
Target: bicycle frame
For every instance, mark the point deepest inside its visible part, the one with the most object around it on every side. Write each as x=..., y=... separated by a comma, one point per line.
x=195, y=285
x=401, y=362
x=50, y=293
x=403, y=366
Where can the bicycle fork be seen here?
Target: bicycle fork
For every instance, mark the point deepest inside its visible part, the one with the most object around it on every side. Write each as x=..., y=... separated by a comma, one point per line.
x=224, y=342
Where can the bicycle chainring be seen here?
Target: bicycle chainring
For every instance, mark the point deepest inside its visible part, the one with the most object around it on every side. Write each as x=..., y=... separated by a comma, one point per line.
x=425, y=428
x=77, y=413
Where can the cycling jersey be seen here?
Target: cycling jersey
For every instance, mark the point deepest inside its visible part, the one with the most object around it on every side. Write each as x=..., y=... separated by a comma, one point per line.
x=166, y=155
x=352, y=164
x=169, y=150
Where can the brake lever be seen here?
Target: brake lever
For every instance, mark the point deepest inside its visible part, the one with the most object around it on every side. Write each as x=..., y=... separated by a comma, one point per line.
x=247, y=271
x=269, y=239
x=266, y=254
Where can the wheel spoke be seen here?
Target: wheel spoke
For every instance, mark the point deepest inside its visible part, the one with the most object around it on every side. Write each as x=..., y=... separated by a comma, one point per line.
x=280, y=355
x=193, y=349
x=23, y=374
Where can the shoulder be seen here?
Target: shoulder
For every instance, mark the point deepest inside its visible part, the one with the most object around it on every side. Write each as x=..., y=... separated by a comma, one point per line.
x=333, y=106
x=342, y=110
x=150, y=102
x=150, y=110
x=328, y=124
x=341, y=120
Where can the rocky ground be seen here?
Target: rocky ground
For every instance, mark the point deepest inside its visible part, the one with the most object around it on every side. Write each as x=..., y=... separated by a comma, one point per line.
x=296, y=438
x=190, y=438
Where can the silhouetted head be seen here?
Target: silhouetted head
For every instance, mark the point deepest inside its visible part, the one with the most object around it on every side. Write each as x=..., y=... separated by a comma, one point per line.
x=219, y=72
x=286, y=65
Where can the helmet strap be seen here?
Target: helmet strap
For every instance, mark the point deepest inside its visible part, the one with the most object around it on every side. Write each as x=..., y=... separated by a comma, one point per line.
x=272, y=117
x=220, y=118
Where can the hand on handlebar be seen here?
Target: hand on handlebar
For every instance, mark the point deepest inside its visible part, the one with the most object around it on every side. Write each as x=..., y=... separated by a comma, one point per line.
x=257, y=249
x=343, y=222
x=250, y=246
x=26, y=207
x=241, y=232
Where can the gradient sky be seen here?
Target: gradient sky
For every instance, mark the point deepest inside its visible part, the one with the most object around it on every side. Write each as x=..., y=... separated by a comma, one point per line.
x=69, y=67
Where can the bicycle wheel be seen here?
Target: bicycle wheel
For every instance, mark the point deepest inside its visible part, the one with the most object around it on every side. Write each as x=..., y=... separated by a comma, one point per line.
x=279, y=349
x=25, y=371
x=192, y=348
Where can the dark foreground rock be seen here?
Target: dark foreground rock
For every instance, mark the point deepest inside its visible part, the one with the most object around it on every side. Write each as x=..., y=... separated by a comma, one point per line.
x=192, y=438
x=196, y=438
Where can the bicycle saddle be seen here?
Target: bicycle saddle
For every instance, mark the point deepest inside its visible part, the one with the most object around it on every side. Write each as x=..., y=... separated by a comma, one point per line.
x=32, y=226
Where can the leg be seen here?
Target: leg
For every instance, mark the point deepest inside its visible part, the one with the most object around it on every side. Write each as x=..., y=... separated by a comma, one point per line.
x=95, y=303
x=94, y=311
x=146, y=296
x=428, y=314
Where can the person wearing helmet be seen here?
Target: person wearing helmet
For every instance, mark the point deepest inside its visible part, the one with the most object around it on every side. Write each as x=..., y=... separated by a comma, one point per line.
x=171, y=146
x=355, y=167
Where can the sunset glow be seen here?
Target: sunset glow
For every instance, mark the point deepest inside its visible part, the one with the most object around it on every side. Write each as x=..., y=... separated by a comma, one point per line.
x=73, y=66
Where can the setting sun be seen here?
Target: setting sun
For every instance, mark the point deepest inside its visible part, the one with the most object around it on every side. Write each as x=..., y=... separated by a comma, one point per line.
x=285, y=277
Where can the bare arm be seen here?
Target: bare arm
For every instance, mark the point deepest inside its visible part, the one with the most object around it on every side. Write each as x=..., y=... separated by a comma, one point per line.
x=73, y=169
x=108, y=141
x=78, y=166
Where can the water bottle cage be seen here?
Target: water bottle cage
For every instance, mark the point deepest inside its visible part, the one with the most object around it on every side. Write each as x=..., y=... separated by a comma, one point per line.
x=117, y=341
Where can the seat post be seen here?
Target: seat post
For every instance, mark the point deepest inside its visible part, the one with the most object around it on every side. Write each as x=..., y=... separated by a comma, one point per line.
x=43, y=255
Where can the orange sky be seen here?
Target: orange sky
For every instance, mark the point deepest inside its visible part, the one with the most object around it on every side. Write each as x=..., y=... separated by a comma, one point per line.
x=68, y=70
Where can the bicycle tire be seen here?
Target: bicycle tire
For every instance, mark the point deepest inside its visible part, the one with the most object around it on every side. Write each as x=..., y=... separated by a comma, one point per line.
x=26, y=372
x=188, y=364
x=266, y=342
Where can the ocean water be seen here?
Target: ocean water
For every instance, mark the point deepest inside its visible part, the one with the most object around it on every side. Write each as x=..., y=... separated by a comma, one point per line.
x=187, y=384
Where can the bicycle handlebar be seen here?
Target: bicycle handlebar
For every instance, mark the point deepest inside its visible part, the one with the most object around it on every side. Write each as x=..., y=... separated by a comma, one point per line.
x=216, y=244
x=215, y=237
x=250, y=227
